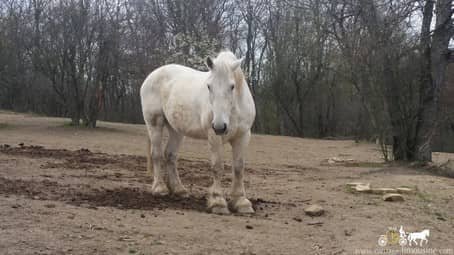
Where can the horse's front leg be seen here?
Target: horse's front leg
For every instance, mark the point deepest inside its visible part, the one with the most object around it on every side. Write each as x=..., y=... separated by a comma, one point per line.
x=216, y=201
x=239, y=201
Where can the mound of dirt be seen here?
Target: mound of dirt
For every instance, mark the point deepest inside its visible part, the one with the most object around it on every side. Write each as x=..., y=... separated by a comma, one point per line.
x=192, y=172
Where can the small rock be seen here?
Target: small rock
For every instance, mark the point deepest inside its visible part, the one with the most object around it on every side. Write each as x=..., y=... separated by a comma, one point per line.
x=363, y=188
x=393, y=197
x=348, y=232
x=50, y=205
x=125, y=238
x=404, y=190
x=335, y=160
x=297, y=219
x=15, y=206
x=448, y=165
x=36, y=198
x=441, y=218
x=158, y=242
x=88, y=206
x=315, y=222
x=142, y=215
x=249, y=227
x=354, y=184
x=314, y=210
x=383, y=190
x=71, y=217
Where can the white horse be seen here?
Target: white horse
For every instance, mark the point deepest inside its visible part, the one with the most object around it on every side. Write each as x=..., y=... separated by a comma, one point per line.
x=215, y=105
x=412, y=237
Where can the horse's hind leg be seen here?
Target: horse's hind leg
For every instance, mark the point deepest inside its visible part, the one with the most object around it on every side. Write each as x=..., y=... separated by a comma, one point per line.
x=155, y=124
x=170, y=155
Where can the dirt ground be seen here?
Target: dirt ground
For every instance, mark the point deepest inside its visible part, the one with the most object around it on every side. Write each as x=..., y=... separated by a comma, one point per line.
x=77, y=191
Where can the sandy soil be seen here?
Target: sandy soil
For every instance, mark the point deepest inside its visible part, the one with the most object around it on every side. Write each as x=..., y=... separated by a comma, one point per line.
x=77, y=191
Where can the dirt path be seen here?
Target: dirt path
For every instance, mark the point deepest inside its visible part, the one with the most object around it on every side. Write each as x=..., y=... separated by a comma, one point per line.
x=76, y=191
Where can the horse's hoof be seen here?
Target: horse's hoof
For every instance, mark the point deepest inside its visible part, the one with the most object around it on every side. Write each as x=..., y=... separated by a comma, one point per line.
x=180, y=192
x=243, y=205
x=159, y=190
x=220, y=210
x=218, y=205
x=245, y=210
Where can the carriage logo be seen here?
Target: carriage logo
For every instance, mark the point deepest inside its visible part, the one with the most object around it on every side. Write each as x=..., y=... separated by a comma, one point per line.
x=402, y=238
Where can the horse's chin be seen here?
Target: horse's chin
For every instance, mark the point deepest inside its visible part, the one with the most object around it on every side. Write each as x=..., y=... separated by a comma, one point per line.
x=222, y=134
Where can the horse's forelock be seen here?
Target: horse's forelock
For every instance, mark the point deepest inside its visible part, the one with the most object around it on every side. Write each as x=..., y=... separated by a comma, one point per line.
x=223, y=63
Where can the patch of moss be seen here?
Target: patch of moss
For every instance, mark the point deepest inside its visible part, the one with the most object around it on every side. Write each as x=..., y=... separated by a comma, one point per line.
x=69, y=124
x=349, y=189
x=426, y=197
x=4, y=125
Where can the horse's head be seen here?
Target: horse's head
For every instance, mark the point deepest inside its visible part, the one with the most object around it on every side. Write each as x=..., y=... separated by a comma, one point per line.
x=426, y=232
x=222, y=85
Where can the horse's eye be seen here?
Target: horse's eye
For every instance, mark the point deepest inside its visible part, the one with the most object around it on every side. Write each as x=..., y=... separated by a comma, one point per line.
x=232, y=87
x=209, y=87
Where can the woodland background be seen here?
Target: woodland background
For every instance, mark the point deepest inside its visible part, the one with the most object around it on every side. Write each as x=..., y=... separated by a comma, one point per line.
x=362, y=69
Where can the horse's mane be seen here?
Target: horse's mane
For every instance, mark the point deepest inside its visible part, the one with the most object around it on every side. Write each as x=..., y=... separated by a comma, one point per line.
x=224, y=60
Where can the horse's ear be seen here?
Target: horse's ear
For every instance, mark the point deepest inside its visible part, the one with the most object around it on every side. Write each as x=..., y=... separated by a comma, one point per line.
x=237, y=64
x=209, y=63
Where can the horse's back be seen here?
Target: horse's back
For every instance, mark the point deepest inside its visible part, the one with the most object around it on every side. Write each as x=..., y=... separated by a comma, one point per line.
x=163, y=75
x=177, y=93
x=160, y=82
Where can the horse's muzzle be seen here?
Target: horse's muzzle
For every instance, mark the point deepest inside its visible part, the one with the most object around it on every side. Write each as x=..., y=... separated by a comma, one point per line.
x=219, y=129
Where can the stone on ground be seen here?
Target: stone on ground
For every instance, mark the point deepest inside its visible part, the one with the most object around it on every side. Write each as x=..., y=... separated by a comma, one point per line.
x=354, y=184
x=404, y=190
x=363, y=188
x=383, y=190
x=314, y=210
x=336, y=160
x=393, y=197
x=447, y=169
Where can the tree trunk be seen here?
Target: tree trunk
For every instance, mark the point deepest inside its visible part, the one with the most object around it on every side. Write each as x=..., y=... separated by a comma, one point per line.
x=434, y=64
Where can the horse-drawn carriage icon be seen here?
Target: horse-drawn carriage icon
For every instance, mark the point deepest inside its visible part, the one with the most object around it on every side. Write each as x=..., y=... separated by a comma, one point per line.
x=402, y=238
x=393, y=237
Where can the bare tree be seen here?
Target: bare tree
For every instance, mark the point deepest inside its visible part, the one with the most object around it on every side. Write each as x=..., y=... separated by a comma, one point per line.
x=435, y=56
x=317, y=68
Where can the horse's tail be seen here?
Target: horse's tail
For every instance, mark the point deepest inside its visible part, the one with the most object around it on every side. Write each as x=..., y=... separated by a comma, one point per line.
x=149, y=171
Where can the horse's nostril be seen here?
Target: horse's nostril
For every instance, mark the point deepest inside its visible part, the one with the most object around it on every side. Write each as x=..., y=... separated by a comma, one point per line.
x=219, y=129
